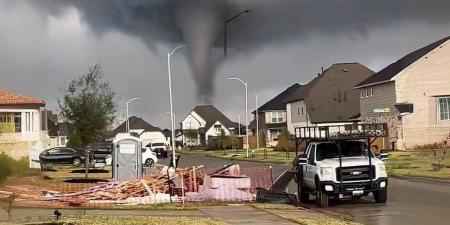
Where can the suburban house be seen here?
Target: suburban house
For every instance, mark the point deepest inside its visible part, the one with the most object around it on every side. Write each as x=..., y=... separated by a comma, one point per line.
x=329, y=99
x=205, y=121
x=142, y=129
x=272, y=116
x=23, y=124
x=412, y=95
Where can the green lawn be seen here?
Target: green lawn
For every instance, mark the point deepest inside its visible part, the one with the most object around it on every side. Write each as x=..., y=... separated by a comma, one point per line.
x=419, y=163
x=271, y=156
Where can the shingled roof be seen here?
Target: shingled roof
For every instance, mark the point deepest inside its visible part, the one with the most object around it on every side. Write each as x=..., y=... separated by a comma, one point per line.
x=211, y=115
x=11, y=98
x=278, y=102
x=386, y=74
x=136, y=123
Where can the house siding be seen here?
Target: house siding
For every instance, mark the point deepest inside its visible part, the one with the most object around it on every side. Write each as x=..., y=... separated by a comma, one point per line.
x=384, y=97
x=294, y=117
x=420, y=84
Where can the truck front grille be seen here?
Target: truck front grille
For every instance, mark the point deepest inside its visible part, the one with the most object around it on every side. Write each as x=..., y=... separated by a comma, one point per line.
x=355, y=173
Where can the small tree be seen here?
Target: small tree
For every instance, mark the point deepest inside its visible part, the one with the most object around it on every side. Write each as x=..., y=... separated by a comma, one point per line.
x=234, y=140
x=89, y=109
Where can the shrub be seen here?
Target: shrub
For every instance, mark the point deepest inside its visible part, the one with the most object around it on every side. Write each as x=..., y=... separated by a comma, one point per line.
x=10, y=167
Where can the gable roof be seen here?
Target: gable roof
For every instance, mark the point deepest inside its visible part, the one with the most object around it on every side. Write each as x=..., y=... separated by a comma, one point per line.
x=277, y=103
x=135, y=123
x=301, y=92
x=11, y=98
x=331, y=97
x=386, y=74
x=211, y=115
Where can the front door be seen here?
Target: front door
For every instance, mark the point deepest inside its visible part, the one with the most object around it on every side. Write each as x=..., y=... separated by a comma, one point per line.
x=127, y=160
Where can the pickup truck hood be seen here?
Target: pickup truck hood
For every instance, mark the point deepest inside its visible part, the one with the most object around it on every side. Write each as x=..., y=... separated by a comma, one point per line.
x=349, y=161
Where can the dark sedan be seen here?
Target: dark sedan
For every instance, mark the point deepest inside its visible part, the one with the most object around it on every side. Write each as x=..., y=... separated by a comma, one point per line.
x=62, y=155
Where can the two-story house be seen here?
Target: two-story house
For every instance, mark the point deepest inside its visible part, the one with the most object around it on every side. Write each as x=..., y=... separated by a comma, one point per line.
x=412, y=95
x=205, y=121
x=23, y=124
x=328, y=99
x=272, y=116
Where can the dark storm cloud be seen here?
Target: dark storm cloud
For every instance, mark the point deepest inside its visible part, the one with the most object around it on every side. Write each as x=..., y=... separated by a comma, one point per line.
x=200, y=22
x=45, y=43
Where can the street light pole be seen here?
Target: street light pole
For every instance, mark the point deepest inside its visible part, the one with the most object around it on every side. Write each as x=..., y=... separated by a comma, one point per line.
x=257, y=121
x=246, y=109
x=128, y=118
x=225, y=31
x=239, y=121
x=172, y=122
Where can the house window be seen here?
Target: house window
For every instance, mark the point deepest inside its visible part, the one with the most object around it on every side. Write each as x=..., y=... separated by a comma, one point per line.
x=10, y=122
x=298, y=111
x=367, y=93
x=277, y=117
x=444, y=108
x=362, y=93
x=303, y=111
x=371, y=92
x=218, y=128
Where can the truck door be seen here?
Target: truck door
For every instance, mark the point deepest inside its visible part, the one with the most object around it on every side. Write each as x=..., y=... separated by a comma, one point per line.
x=309, y=171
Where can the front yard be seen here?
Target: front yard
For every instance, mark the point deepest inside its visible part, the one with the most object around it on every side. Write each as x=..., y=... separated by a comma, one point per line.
x=261, y=155
x=425, y=163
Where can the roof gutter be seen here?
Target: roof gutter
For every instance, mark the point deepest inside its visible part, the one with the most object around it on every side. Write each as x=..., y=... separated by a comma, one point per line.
x=372, y=84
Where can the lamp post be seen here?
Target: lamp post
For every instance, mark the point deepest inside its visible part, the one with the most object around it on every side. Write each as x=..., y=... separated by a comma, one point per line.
x=175, y=120
x=172, y=122
x=257, y=121
x=128, y=118
x=225, y=33
x=246, y=109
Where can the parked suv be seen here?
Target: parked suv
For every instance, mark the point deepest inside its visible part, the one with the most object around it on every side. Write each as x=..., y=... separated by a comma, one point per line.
x=340, y=169
x=62, y=155
x=159, y=148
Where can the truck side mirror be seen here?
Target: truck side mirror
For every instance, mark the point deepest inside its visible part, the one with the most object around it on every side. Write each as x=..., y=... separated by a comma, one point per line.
x=302, y=161
x=383, y=156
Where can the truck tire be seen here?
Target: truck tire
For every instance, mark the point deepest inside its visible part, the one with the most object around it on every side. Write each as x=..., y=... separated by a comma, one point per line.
x=380, y=196
x=149, y=162
x=321, y=197
x=303, y=196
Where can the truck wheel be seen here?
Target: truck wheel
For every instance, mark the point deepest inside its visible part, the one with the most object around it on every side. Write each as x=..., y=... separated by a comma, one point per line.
x=321, y=197
x=380, y=196
x=303, y=196
x=149, y=162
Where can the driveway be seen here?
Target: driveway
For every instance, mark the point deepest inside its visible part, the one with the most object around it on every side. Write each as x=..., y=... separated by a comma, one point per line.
x=409, y=202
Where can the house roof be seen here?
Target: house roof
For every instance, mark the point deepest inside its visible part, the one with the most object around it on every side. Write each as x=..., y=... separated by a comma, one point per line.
x=331, y=97
x=393, y=69
x=301, y=92
x=277, y=103
x=211, y=115
x=11, y=98
x=135, y=123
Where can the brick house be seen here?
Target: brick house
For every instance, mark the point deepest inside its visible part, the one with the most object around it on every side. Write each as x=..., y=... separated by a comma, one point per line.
x=412, y=95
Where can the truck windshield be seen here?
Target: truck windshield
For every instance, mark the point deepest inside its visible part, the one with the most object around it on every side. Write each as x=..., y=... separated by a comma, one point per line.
x=349, y=149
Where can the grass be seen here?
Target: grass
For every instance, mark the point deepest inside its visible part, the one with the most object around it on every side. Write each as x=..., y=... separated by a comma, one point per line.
x=277, y=157
x=422, y=163
x=10, y=167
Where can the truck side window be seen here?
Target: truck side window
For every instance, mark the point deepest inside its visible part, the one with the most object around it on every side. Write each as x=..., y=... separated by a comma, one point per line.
x=312, y=154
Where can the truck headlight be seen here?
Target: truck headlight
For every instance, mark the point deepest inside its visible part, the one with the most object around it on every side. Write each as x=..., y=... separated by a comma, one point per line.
x=382, y=168
x=325, y=173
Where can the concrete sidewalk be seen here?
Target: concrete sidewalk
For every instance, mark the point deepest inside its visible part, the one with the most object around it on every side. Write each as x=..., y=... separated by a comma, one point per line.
x=233, y=215
x=236, y=215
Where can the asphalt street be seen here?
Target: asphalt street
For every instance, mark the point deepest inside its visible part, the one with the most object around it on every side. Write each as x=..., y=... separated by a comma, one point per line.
x=410, y=202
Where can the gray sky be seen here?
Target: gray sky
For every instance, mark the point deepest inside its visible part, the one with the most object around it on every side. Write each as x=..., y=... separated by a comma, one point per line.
x=44, y=44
